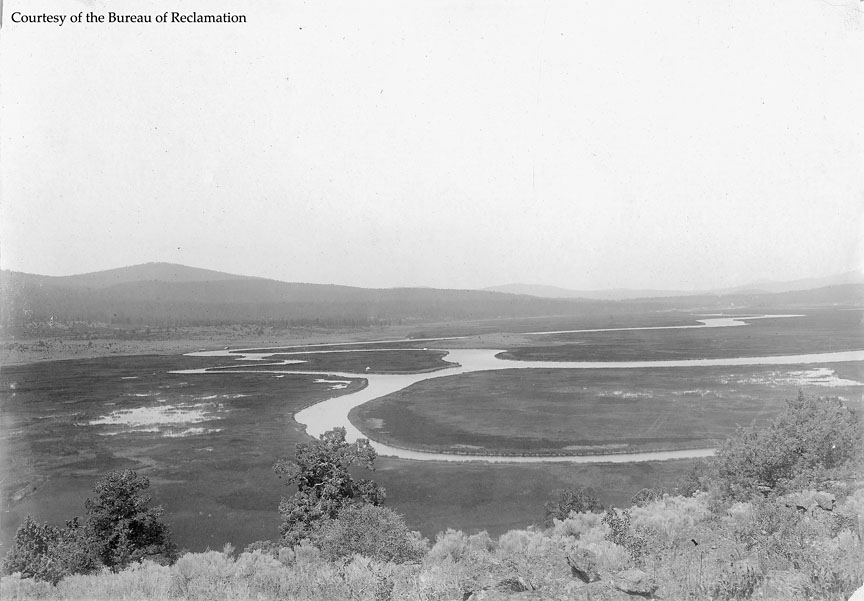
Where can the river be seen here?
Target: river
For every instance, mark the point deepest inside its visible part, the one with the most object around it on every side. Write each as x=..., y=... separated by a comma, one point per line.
x=333, y=412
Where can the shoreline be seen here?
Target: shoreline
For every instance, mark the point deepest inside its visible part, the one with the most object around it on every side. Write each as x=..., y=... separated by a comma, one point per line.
x=66, y=345
x=335, y=411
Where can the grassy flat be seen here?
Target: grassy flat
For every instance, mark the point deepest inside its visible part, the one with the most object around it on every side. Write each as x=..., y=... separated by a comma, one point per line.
x=816, y=332
x=213, y=476
x=558, y=411
x=375, y=361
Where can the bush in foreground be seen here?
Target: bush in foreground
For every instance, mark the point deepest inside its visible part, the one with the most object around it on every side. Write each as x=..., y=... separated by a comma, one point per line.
x=375, y=532
x=572, y=500
x=790, y=546
x=796, y=449
x=761, y=549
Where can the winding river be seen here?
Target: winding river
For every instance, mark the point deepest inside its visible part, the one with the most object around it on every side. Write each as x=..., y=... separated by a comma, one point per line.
x=333, y=412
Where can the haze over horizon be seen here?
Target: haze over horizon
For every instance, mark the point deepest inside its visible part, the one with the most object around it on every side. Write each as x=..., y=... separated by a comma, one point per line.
x=163, y=269
x=581, y=145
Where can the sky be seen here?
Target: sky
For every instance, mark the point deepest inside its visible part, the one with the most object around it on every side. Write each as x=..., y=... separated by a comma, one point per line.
x=589, y=145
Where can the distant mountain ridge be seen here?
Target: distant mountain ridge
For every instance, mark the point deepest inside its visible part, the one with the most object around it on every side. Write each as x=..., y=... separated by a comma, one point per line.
x=165, y=295
x=145, y=272
x=840, y=279
x=762, y=287
x=611, y=294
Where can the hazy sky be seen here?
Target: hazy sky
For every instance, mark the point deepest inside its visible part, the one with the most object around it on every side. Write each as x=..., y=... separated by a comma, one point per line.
x=465, y=144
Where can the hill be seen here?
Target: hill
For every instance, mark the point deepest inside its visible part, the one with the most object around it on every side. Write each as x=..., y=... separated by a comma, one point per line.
x=146, y=272
x=762, y=287
x=611, y=294
x=167, y=295
x=160, y=294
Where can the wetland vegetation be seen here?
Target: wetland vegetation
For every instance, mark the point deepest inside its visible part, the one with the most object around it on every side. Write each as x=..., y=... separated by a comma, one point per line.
x=561, y=411
x=776, y=515
x=68, y=422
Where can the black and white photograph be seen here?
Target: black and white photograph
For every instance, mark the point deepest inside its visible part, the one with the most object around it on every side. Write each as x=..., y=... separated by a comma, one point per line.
x=431, y=300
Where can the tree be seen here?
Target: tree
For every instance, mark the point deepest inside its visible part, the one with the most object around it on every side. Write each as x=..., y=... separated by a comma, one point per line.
x=120, y=528
x=45, y=552
x=31, y=552
x=122, y=525
x=792, y=452
x=321, y=472
x=572, y=500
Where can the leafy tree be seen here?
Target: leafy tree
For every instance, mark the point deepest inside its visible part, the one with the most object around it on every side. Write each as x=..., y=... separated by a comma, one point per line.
x=125, y=529
x=792, y=452
x=321, y=472
x=572, y=500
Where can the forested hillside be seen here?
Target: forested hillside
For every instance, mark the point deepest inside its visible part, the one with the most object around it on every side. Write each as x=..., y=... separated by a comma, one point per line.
x=165, y=295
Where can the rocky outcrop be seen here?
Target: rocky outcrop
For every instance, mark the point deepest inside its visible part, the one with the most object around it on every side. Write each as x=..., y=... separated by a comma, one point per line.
x=559, y=591
x=583, y=564
x=635, y=582
x=785, y=584
x=589, y=583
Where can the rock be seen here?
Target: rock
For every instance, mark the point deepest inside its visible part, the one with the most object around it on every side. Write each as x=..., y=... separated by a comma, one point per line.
x=494, y=595
x=514, y=584
x=598, y=591
x=583, y=564
x=825, y=501
x=571, y=590
x=503, y=589
x=635, y=582
x=487, y=595
x=784, y=584
x=811, y=500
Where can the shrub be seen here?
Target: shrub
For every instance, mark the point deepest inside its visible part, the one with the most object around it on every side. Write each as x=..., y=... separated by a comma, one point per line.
x=647, y=496
x=671, y=519
x=372, y=531
x=450, y=545
x=811, y=436
x=531, y=557
x=458, y=564
x=623, y=534
x=572, y=500
x=264, y=546
x=697, y=479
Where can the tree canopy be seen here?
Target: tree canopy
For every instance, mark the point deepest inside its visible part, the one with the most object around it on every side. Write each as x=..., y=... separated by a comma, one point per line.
x=125, y=528
x=321, y=471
